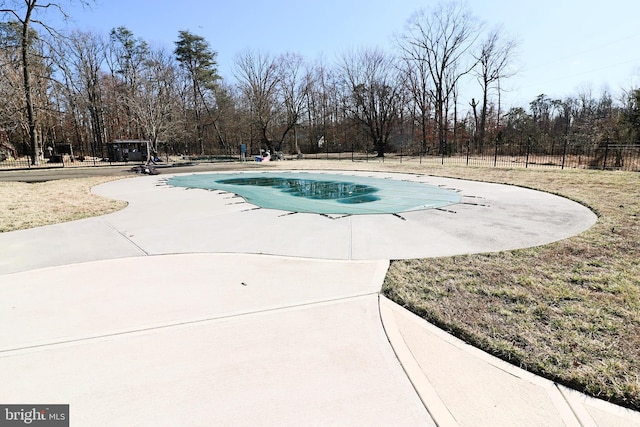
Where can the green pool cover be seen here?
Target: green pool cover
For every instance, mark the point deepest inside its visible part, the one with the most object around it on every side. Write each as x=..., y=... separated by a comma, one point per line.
x=323, y=193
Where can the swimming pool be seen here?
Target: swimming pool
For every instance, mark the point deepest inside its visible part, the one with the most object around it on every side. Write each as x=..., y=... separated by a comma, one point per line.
x=323, y=193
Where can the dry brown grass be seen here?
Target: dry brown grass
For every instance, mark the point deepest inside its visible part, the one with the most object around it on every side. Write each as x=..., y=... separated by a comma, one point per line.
x=569, y=311
x=24, y=205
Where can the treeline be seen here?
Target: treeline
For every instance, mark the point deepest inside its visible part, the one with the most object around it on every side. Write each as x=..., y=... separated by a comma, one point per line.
x=84, y=90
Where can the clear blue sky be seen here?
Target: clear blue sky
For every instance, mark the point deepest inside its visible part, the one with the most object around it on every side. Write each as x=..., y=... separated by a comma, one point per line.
x=565, y=45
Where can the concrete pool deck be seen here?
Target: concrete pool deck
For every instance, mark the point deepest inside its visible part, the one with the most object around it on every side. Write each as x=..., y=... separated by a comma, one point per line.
x=192, y=307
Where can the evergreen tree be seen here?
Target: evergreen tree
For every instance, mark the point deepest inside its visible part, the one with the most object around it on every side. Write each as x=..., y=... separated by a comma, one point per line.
x=196, y=57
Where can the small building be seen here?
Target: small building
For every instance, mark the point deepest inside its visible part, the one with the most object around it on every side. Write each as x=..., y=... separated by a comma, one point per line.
x=125, y=150
x=59, y=152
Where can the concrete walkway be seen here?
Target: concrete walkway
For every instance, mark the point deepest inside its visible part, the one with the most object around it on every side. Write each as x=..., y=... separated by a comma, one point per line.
x=192, y=307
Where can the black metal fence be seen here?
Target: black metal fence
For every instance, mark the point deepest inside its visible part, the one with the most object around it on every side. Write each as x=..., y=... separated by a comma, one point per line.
x=56, y=162
x=59, y=162
x=605, y=157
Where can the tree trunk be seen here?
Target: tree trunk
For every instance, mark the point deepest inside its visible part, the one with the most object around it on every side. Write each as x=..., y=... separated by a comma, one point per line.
x=474, y=105
x=483, y=113
x=26, y=72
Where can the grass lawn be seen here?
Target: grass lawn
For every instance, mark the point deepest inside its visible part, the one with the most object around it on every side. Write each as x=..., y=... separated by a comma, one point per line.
x=26, y=205
x=569, y=311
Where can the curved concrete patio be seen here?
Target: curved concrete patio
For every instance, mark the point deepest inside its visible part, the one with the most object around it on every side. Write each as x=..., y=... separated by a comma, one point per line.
x=192, y=307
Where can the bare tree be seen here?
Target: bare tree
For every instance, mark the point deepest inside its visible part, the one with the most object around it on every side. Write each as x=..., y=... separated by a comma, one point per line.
x=12, y=110
x=441, y=39
x=26, y=13
x=258, y=79
x=226, y=119
x=157, y=100
x=493, y=59
x=371, y=80
x=81, y=64
x=325, y=107
x=125, y=56
x=631, y=114
x=294, y=85
x=277, y=90
x=417, y=77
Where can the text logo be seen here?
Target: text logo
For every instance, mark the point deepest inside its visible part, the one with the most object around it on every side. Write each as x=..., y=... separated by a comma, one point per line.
x=34, y=415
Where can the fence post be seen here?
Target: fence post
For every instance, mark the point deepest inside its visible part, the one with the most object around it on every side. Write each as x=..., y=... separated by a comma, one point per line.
x=606, y=154
x=327, y=144
x=468, y=149
x=495, y=155
x=564, y=151
x=526, y=162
